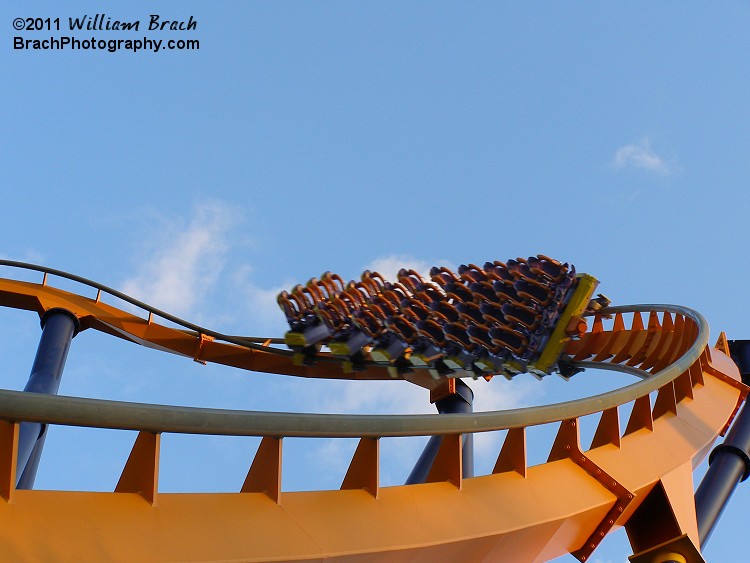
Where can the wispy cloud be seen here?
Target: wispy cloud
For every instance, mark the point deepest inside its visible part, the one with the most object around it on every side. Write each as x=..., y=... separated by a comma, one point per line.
x=29, y=255
x=378, y=397
x=259, y=306
x=388, y=266
x=641, y=156
x=186, y=261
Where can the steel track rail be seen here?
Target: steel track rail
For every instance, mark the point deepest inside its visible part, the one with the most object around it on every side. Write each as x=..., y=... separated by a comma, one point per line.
x=250, y=342
x=246, y=341
x=74, y=411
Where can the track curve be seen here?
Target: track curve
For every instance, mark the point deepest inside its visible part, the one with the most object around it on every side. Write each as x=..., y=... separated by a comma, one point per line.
x=698, y=393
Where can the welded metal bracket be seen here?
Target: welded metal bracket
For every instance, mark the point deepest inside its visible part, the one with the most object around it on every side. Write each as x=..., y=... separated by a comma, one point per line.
x=202, y=339
x=567, y=445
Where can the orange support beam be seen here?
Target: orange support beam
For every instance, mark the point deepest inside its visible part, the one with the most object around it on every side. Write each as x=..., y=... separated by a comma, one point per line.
x=8, y=458
x=448, y=464
x=645, y=478
x=364, y=470
x=608, y=430
x=264, y=475
x=141, y=472
x=513, y=453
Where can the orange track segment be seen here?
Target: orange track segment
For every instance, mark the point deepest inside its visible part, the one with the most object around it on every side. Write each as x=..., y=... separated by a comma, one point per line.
x=520, y=513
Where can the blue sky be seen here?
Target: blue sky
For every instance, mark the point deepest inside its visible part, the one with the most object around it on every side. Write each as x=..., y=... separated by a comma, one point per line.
x=311, y=136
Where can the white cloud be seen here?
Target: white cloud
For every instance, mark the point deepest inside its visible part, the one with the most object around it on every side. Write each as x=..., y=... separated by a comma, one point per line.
x=334, y=455
x=186, y=261
x=258, y=304
x=388, y=266
x=641, y=156
x=29, y=255
x=379, y=397
x=262, y=304
x=500, y=394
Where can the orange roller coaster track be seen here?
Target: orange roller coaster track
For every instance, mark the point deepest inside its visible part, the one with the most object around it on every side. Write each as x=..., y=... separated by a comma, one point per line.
x=637, y=474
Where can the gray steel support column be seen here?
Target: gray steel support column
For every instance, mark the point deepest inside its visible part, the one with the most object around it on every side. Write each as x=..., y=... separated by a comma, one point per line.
x=461, y=402
x=58, y=329
x=729, y=464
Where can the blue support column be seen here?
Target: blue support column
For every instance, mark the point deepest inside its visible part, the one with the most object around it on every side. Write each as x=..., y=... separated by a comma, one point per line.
x=729, y=462
x=58, y=329
x=461, y=401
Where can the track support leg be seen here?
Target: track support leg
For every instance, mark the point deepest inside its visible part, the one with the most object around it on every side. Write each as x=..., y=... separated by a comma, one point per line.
x=460, y=401
x=729, y=464
x=58, y=329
